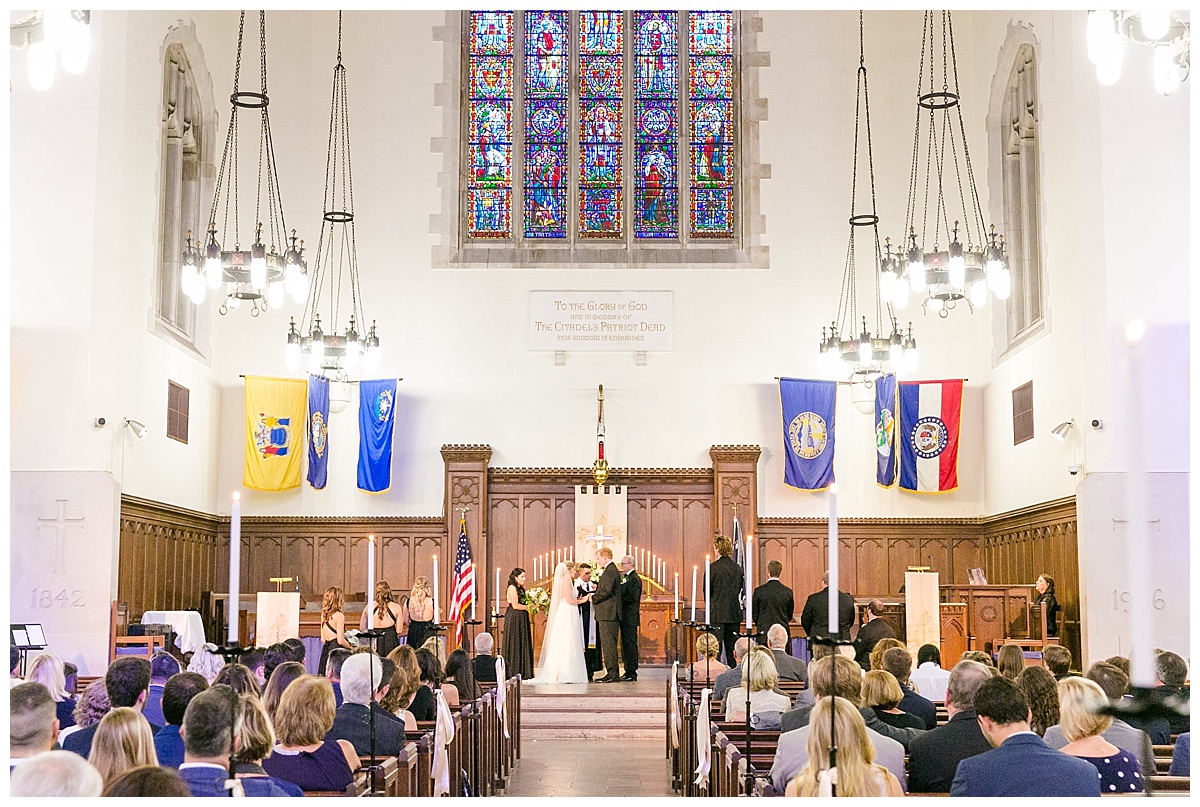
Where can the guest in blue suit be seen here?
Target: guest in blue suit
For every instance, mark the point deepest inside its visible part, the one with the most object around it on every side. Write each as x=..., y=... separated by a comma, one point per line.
x=162, y=666
x=177, y=694
x=1019, y=764
x=1181, y=760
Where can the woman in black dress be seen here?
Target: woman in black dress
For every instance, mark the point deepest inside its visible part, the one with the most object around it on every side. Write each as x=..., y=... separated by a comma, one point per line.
x=386, y=617
x=333, y=625
x=420, y=613
x=517, y=648
x=1045, y=598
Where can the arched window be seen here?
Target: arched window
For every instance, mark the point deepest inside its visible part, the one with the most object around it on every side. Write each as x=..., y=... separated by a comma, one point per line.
x=607, y=138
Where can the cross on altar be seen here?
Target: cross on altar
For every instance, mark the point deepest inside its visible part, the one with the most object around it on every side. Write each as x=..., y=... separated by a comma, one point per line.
x=599, y=538
x=60, y=525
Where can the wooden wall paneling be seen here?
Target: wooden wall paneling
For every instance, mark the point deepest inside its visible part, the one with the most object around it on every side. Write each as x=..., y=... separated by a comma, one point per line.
x=536, y=523
x=165, y=556
x=735, y=482
x=666, y=522
x=639, y=527
x=697, y=517
x=563, y=521
x=936, y=553
x=394, y=563
x=965, y=555
x=356, y=569
x=871, y=560
x=466, y=485
x=505, y=538
x=265, y=555
x=296, y=560
x=901, y=553
x=330, y=567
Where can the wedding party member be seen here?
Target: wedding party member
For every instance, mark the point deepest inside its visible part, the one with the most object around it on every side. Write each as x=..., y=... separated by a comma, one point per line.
x=706, y=667
x=631, y=609
x=484, y=661
x=933, y=757
x=606, y=602
x=55, y=774
x=47, y=669
x=929, y=679
x=123, y=740
x=1079, y=702
x=333, y=626
x=32, y=726
x=517, y=648
x=303, y=756
x=177, y=694
x=420, y=613
x=1045, y=598
x=815, y=616
x=727, y=582
x=759, y=678
x=773, y=602
x=386, y=616
x=874, y=628
x=584, y=585
x=857, y=773
x=562, y=660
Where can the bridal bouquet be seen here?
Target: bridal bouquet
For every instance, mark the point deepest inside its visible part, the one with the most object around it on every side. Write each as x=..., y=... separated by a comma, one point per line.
x=537, y=600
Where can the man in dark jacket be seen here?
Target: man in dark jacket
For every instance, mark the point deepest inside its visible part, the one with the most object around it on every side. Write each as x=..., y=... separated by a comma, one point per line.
x=898, y=661
x=773, y=602
x=933, y=757
x=127, y=681
x=874, y=628
x=353, y=720
x=177, y=694
x=631, y=605
x=726, y=583
x=815, y=616
x=607, y=604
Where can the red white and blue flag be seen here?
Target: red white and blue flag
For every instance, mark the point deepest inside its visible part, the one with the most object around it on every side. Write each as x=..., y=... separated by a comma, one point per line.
x=464, y=583
x=930, y=413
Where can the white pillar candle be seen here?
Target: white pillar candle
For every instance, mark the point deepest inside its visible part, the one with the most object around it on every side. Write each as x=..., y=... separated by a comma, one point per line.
x=497, y=589
x=235, y=565
x=435, y=590
x=749, y=582
x=676, y=596
x=370, y=570
x=695, y=571
x=707, y=590
x=833, y=561
x=1141, y=614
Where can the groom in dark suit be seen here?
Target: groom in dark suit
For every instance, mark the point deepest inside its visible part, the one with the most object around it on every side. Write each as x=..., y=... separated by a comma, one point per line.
x=631, y=608
x=607, y=602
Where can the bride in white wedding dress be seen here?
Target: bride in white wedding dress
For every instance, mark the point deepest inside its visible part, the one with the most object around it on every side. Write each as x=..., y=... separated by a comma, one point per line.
x=562, y=659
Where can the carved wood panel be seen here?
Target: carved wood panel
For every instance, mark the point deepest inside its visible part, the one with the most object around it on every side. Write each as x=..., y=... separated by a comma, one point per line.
x=165, y=556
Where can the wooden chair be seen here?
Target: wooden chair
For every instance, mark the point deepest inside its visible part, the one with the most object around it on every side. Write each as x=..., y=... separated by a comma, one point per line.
x=118, y=636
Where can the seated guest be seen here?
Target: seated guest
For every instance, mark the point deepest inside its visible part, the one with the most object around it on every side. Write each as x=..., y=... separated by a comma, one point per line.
x=789, y=668
x=207, y=662
x=256, y=658
x=759, y=678
x=32, y=725
x=207, y=741
x=422, y=704
x=857, y=773
x=126, y=682
x=240, y=679
x=296, y=649
x=898, y=661
x=929, y=679
x=303, y=755
x=55, y=774
x=1057, y=660
x=934, y=756
x=1010, y=661
x=980, y=656
x=1079, y=701
x=14, y=665
x=402, y=687
x=92, y=706
x=881, y=647
x=431, y=679
x=881, y=692
x=1115, y=684
x=791, y=754
x=1019, y=764
x=281, y=676
x=733, y=676
x=1181, y=759
x=458, y=673
x=1170, y=672
x=1121, y=663
x=47, y=669
x=162, y=666
x=437, y=646
x=177, y=694
x=874, y=628
x=333, y=671
x=276, y=655
x=706, y=667
x=255, y=741
x=485, y=662
x=1041, y=694
x=123, y=740
x=148, y=780
x=432, y=669
x=353, y=720
x=71, y=676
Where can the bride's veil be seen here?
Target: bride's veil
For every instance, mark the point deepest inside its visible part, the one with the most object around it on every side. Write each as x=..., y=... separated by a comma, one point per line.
x=562, y=584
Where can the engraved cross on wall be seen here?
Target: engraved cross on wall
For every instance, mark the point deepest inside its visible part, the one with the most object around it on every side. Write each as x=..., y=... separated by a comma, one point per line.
x=60, y=525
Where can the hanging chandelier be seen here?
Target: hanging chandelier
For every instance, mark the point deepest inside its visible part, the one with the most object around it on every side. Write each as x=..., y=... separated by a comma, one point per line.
x=260, y=275
x=863, y=355
x=1162, y=29
x=44, y=33
x=972, y=262
x=337, y=261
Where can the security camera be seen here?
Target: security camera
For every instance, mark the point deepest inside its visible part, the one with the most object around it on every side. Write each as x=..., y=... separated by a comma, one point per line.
x=100, y=423
x=1097, y=424
x=1074, y=469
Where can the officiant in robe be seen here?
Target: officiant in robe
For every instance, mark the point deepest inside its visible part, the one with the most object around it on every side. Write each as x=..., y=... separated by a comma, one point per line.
x=585, y=585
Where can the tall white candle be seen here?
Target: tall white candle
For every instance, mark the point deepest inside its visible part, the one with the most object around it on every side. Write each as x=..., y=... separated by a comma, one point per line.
x=707, y=590
x=676, y=596
x=749, y=582
x=497, y=589
x=833, y=561
x=235, y=565
x=695, y=571
x=1141, y=614
x=435, y=590
x=370, y=570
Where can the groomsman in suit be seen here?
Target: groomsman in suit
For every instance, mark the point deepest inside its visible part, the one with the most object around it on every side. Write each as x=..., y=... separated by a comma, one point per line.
x=773, y=602
x=815, y=616
x=727, y=581
x=631, y=607
x=607, y=603
x=874, y=628
x=584, y=585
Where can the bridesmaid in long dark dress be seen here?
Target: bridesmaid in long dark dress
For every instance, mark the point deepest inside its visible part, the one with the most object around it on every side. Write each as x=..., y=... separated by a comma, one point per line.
x=420, y=613
x=333, y=625
x=386, y=616
x=517, y=648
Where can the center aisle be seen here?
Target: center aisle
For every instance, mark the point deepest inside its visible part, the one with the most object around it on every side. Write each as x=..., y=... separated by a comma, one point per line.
x=594, y=739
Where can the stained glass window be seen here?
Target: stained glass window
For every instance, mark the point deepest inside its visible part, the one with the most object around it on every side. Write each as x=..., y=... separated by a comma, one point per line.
x=710, y=94
x=656, y=123
x=547, y=122
x=489, y=186
x=601, y=93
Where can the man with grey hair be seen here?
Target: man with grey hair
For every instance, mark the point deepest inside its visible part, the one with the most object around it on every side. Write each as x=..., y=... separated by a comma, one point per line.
x=631, y=608
x=55, y=773
x=790, y=669
x=353, y=720
x=33, y=724
x=732, y=677
x=934, y=756
x=485, y=662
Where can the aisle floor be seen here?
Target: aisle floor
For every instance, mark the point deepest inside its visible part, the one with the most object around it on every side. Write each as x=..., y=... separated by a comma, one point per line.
x=591, y=768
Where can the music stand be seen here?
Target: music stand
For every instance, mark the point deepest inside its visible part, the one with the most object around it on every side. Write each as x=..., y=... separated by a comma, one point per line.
x=25, y=637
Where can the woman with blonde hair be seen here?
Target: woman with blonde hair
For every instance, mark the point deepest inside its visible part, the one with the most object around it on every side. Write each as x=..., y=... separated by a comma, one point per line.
x=1010, y=661
x=420, y=613
x=333, y=625
x=881, y=692
x=759, y=676
x=387, y=616
x=706, y=667
x=47, y=669
x=303, y=755
x=256, y=740
x=881, y=647
x=1080, y=700
x=857, y=773
x=122, y=741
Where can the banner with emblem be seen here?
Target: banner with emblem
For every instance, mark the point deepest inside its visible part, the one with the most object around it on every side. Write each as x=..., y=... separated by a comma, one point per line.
x=809, y=408
x=930, y=413
x=885, y=431
x=376, y=417
x=274, y=432
x=318, y=430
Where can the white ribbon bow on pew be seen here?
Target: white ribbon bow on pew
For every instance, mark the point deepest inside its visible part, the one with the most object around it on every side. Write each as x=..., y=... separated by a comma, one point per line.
x=501, y=692
x=443, y=734
x=703, y=741
x=674, y=713
x=826, y=780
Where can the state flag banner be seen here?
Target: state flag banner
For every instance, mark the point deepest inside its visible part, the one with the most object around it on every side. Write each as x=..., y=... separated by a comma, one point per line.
x=275, y=409
x=376, y=419
x=318, y=431
x=930, y=414
x=809, y=408
x=885, y=431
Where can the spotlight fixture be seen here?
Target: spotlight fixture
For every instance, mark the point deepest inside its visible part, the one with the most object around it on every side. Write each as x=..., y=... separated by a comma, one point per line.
x=137, y=427
x=1060, y=431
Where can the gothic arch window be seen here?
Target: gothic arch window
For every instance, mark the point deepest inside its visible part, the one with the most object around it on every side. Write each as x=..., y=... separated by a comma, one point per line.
x=603, y=138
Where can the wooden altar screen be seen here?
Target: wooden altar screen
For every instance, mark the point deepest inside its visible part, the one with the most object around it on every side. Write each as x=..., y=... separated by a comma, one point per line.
x=995, y=614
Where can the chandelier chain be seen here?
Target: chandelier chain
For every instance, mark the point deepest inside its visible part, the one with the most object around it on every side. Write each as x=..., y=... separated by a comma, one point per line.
x=978, y=207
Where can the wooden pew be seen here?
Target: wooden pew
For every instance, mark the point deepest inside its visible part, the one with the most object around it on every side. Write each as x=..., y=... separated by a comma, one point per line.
x=1170, y=784
x=359, y=787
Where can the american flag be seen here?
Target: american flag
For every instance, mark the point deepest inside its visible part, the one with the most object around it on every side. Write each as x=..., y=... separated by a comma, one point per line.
x=464, y=583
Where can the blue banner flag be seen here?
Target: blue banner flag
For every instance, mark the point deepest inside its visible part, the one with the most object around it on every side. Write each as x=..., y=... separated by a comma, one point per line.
x=885, y=431
x=376, y=417
x=318, y=431
x=809, y=408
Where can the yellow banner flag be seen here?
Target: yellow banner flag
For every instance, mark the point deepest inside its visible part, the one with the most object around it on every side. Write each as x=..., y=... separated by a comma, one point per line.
x=275, y=419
